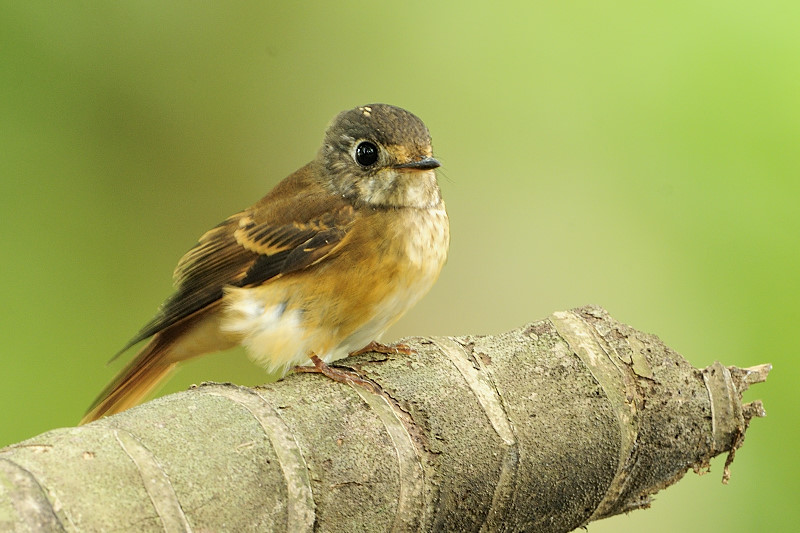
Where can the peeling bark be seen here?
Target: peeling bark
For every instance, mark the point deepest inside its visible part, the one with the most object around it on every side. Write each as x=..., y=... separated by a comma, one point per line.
x=544, y=428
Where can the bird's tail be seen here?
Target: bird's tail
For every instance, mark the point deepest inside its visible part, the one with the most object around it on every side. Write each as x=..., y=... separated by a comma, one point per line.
x=134, y=382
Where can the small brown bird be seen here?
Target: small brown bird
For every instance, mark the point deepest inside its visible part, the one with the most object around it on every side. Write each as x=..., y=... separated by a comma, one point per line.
x=317, y=269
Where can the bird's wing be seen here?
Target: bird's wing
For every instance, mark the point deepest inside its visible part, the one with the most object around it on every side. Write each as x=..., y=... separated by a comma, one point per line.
x=251, y=248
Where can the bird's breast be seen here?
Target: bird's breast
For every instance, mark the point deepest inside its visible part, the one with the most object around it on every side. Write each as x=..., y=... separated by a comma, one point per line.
x=387, y=262
x=427, y=238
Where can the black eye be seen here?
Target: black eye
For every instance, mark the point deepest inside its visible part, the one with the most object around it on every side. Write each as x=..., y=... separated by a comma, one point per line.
x=366, y=154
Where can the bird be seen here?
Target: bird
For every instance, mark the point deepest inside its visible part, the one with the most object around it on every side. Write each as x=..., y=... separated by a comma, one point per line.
x=316, y=270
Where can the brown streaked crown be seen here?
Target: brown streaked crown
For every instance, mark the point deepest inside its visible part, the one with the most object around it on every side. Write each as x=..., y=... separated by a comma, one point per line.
x=383, y=123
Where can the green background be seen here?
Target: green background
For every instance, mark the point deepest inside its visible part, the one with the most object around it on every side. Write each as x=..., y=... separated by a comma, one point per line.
x=642, y=156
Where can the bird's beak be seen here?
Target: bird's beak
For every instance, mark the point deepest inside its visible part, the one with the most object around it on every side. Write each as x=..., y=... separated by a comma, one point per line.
x=426, y=163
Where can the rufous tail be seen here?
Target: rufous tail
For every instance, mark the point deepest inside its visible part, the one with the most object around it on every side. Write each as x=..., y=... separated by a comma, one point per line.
x=190, y=337
x=134, y=382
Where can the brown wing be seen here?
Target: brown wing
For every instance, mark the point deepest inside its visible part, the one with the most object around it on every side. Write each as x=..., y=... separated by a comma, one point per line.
x=251, y=248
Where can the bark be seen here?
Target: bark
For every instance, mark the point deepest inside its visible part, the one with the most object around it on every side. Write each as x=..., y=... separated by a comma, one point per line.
x=544, y=428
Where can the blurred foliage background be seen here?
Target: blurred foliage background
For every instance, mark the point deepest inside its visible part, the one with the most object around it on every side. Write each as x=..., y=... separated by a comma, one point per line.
x=642, y=156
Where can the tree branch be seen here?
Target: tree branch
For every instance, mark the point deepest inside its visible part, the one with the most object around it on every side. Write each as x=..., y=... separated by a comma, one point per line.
x=544, y=428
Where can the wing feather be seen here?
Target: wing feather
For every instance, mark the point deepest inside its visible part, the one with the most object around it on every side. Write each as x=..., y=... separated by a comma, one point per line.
x=250, y=248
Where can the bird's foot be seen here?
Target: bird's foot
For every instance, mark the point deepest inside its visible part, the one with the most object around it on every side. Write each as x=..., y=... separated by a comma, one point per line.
x=336, y=374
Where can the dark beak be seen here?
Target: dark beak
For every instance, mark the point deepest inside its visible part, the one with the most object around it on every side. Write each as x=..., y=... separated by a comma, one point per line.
x=427, y=163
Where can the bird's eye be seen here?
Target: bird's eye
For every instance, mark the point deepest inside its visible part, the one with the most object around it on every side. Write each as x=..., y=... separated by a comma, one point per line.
x=366, y=154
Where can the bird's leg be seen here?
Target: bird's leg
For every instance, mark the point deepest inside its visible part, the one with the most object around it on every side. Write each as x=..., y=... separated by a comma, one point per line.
x=342, y=376
x=384, y=348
